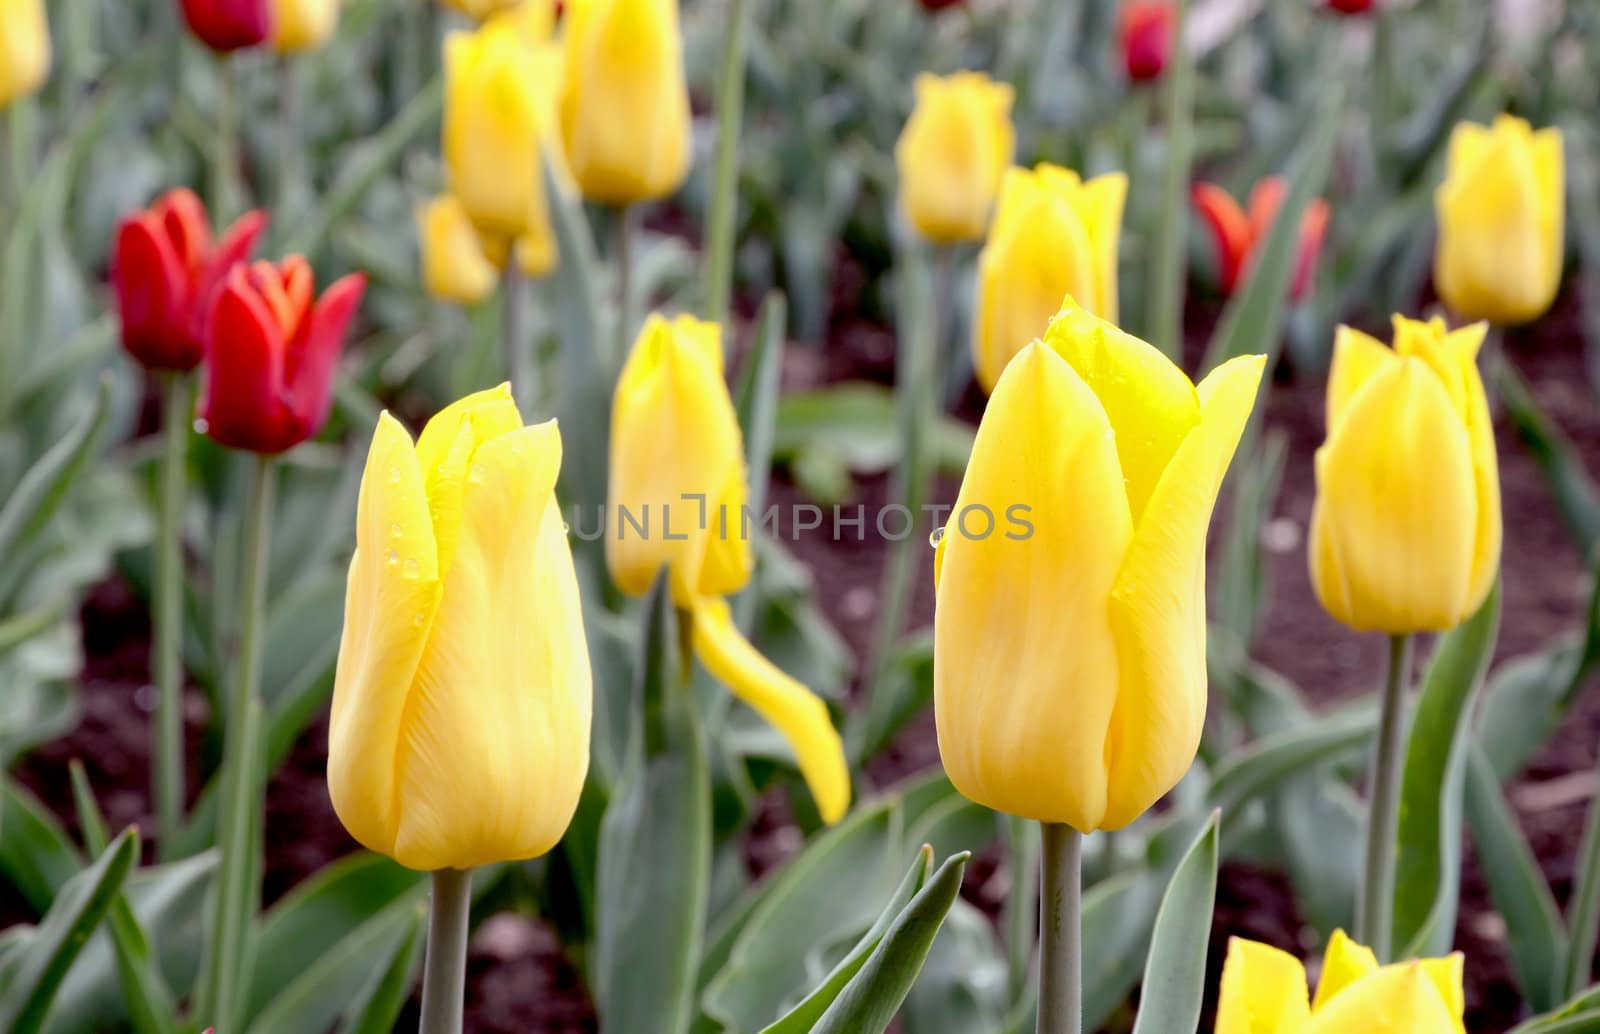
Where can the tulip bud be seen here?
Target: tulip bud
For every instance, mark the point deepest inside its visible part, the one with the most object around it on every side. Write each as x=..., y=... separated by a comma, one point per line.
x=166, y=271
x=1264, y=991
x=677, y=494
x=303, y=24
x=1053, y=235
x=24, y=49
x=462, y=699
x=625, y=102
x=1084, y=507
x=1405, y=533
x=1501, y=222
x=1145, y=28
x=1351, y=6
x=271, y=350
x=1237, y=235
x=225, y=25
x=941, y=5
x=952, y=154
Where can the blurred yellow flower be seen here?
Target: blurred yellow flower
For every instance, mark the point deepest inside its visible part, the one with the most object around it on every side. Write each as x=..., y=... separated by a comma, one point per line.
x=1405, y=533
x=1501, y=227
x=481, y=9
x=24, y=48
x=955, y=148
x=455, y=265
x=1053, y=235
x=1069, y=632
x=303, y=24
x=677, y=501
x=625, y=101
x=1264, y=992
x=462, y=700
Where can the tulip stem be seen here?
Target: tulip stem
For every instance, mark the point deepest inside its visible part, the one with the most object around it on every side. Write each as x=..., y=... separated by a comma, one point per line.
x=289, y=119
x=725, y=189
x=1375, y=922
x=166, y=660
x=225, y=149
x=517, y=359
x=622, y=255
x=1061, y=931
x=444, y=974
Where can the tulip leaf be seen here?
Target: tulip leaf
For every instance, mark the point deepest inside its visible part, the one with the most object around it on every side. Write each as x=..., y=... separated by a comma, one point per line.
x=1259, y=768
x=1583, y=913
x=721, y=213
x=1575, y=493
x=654, y=868
x=1242, y=574
x=1428, y=847
x=1535, y=937
x=1167, y=272
x=378, y=1005
x=963, y=987
x=1175, y=974
x=33, y=972
x=42, y=490
x=36, y=856
x=756, y=398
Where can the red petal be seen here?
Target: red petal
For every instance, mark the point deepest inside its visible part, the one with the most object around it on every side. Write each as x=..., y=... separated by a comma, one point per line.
x=316, y=355
x=1230, y=231
x=231, y=251
x=183, y=217
x=151, y=284
x=1313, y=228
x=243, y=405
x=1266, y=197
x=1146, y=32
x=229, y=24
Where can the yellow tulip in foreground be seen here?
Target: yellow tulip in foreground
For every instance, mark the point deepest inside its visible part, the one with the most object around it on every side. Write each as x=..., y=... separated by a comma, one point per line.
x=677, y=462
x=1264, y=992
x=1405, y=534
x=625, y=102
x=461, y=706
x=24, y=48
x=1070, y=654
x=955, y=148
x=1500, y=221
x=303, y=24
x=1053, y=235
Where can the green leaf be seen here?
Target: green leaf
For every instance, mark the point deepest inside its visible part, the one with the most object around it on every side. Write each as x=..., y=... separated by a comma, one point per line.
x=1167, y=271
x=36, y=856
x=44, y=487
x=1583, y=913
x=655, y=846
x=963, y=988
x=1428, y=849
x=1575, y=493
x=1259, y=768
x=33, y=973
x=377, y=1007
x=860, y=423
x=756, y=398
x=722, y=212
x=1175, y=975
x=1242, y=573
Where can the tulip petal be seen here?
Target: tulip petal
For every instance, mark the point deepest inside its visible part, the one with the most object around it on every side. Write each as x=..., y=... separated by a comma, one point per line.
x=242, y=404
x=1158, y=605
x=233, y=249
x=1395, y=520
x=455, y=265
x=1344, y=963
x=1099, y=206
x=445, y=452
x=391, y=598
x=1263, y=991
x=150, y=282
x=728, y=561
x=1398, y=999
x=1022, y=709
x=1357, y=358
x=1448, y=975
x=1231, y=236
x=315, y=353
x=791, y=708
x=500, y=706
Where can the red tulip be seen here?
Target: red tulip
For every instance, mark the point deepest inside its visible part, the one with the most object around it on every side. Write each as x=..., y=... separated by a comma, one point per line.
x=1145, y=29
x=1236, y=235
x=165, y=268
x=271, y=350
x=229, y=24
x=939, y=5
x=1351, y=6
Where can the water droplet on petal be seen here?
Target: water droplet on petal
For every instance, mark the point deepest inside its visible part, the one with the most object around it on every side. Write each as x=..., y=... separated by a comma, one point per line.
x=476, y=474
x=394, y=475
x=933, y=539
x=566, y=529
x=396, y=530
x=392, y=556
x=201, y=426
x=420, y=620
x=413, y=569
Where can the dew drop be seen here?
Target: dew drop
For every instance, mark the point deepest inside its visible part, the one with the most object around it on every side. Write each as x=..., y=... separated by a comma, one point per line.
x=396, y=530
x=420, y=620
x=413, y=569
x=566, y=529
x=394, y=475
x=391, y=556
x=201, y=426
x=937, y=534
x=476, y=474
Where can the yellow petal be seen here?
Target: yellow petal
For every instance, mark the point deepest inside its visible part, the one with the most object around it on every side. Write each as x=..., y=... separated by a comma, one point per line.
x=303, y=24
x=1022, y=709
x=729, y=560
x=1158, y=605
x=952, y=154
x=24, y=49
x=1100, y=205
x=1344, y=963
x=454, y=264
x=445, y=451
x=495, y=742
x=1398, y=999
x=791, y=708
x=1357, y=357
x=390, y=601
x=492, y=128
x=1394, y=526
x=1263, y=991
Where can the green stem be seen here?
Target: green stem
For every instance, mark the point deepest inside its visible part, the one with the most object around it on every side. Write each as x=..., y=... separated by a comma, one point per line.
x=444, y=974
x=1583, y=916
x=225, y=146
x=518, y=365
x=622, y=255
x=289, y=130
x=719, y=232
x=1168, y=272
x=1375, y=923
x=1021, y=918
x=1061, y=932
x=167, y=645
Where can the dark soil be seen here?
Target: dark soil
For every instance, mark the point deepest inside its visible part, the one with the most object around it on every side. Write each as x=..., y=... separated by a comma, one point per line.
x=520, y=982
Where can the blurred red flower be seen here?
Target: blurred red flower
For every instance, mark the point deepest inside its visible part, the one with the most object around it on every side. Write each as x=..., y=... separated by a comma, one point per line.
x=271, y=350
x=939, y=5
x=229, y=24
x=1236, y=234
x=1145, y=29
x=1352, y=6
x=165, y=268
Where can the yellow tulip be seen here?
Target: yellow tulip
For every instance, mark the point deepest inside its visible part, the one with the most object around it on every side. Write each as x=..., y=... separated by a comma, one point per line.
x=677, y=492
x=303, y=24
x=1264, y=992
x=481, y=9
x=1405, y=533
x=1500, y=221
x=462, y=700
x=1053, y=235
x=625, y=101
x=955, y=148
x=455, y=264
x=24, y=48
x=1070, y=627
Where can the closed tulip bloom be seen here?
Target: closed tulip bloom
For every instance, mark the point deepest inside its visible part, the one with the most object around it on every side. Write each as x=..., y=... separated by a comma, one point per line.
x=481, y=9
x=225, y=25
x=1053, y=235
x=1501, y=222
x=1264, y=991
x=1405, y=533
x=677, y=463
x=1237, y=234
x=1351, y=6
x=271, y=348
x=952, y=154
x=24, y=49
x=625, y=102
x=455, y=266
x=1070, y=626
x=462, y=698
x=303, y=24
x=1145, y=28
x=166, y=268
